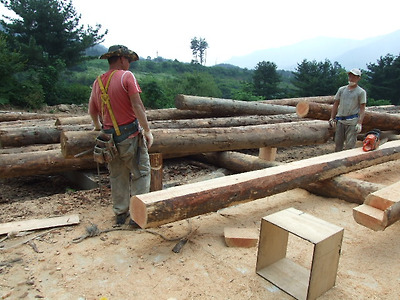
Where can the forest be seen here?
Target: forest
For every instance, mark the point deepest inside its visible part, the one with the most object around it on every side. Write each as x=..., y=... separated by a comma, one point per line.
x=58, y=66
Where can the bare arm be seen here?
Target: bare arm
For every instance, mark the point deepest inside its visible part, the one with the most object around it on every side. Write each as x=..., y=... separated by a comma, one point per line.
x=96, y=121
x=362, y=113
x=334, y=109
x=140, y=113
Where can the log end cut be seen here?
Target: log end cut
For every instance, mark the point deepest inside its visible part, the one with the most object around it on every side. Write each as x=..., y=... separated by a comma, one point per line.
x=138, y=211
x=369, y=217
x=302, y=109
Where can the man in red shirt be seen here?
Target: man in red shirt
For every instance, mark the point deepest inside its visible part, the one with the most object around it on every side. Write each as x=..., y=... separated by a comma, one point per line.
x=130, y=169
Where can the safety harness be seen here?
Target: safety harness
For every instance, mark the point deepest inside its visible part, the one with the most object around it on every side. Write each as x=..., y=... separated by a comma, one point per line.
x=105, y=100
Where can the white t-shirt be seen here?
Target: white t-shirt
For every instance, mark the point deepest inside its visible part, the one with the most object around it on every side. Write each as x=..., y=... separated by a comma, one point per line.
x=350, y=102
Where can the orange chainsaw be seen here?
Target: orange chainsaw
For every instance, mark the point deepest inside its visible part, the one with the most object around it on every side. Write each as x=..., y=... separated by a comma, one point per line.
x=372, y=140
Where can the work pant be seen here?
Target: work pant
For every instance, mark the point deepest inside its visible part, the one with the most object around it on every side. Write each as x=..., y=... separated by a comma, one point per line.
x=129, y=172
x=345, y=135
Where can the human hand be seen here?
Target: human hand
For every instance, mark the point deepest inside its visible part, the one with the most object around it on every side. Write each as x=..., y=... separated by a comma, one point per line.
x=332, y=123
x=358, y=128
x=149, y=138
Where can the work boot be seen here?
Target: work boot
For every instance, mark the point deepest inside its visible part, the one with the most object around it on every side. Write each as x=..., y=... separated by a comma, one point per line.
x=121, y=218
x=133, y=224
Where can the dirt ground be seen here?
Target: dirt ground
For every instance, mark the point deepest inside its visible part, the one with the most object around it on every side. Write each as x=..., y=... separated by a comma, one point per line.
x=140, y=264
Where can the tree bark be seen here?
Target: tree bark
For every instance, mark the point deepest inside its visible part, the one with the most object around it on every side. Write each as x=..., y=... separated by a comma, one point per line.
x=343, y=187
x=224, y=121
x=7, y=116
x=295, y=101
x=381, y=121
x=234, y=107
x=180, y=142
x=41, y=162
x=177, y=203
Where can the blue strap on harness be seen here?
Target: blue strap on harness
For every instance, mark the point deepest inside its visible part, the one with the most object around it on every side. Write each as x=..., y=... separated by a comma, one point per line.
x=347, y=117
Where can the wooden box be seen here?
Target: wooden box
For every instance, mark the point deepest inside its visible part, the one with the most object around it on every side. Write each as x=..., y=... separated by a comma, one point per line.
x=296, y=280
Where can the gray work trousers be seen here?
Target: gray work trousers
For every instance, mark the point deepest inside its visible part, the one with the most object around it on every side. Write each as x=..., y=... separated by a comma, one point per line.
x=345, y=135
x=129, y=173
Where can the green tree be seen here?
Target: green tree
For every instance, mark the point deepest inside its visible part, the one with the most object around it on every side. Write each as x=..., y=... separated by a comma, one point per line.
x=49, y=30
x=50, y=39
x=266, y=80
x=383, y=79
x=313, y=78
x=199, y=47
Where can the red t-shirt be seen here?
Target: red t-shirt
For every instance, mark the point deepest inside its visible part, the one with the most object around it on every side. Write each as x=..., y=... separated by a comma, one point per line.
x=123, y=84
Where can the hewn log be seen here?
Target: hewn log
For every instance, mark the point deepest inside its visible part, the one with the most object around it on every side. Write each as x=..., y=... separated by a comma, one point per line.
x=295, y=101
x=380, y=209
x=177, y=203
x=232, y=106
x=192, y=141
x=23, y=136
x=41, y=162
x=343, y=187
x=382, y=121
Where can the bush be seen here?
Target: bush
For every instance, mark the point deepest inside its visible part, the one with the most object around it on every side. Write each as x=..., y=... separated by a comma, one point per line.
x=372, y=102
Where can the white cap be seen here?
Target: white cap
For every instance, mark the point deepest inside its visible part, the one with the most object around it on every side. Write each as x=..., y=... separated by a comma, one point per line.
x=356, y=72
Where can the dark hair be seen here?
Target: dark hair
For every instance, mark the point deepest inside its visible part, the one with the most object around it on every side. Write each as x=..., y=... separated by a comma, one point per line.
x=113, y=59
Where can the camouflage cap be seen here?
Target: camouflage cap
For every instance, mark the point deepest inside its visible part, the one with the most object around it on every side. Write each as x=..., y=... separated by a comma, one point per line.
x=120, y=50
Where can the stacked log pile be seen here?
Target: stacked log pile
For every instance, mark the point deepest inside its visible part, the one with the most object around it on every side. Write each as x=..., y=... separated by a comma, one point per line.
x=177, y=132
x=210, y=128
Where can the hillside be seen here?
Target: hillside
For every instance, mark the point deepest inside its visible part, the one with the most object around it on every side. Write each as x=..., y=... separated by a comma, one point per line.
x=349, y=53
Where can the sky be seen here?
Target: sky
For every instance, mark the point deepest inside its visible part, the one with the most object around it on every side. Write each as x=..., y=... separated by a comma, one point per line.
x=232, y=28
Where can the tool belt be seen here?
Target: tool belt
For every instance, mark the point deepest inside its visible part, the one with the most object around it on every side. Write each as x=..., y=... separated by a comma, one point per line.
x=125, y=131
x=104, y=150
x=347, y=117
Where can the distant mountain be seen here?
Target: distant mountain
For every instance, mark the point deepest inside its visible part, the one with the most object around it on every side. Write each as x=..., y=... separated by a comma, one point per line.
x=349, y=53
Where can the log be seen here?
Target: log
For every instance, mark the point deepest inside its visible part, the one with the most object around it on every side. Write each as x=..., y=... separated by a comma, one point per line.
x=30, y=148
x=177, y=203
x=165, y=114
x=23, y=136
x=41, y=162
x=232, y=106
x=295, y=101
x=343, y=187
x=224, y=121
x=6, y=116
x=236, y=161
x=75, y=120
x=192, y=141
x=380, y=209
x=382, y=121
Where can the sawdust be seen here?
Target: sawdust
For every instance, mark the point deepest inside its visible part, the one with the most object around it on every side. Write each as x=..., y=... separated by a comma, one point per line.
x=137, y=264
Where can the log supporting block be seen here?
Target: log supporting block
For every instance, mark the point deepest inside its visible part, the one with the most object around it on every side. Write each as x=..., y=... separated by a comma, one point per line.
x=267, y=153
x=241, y=237
x=369, y=217
x=296, y=280
x=156, y=163
x=380, y=209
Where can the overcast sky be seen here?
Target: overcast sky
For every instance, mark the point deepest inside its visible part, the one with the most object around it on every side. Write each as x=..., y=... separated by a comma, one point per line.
x=232, y=28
